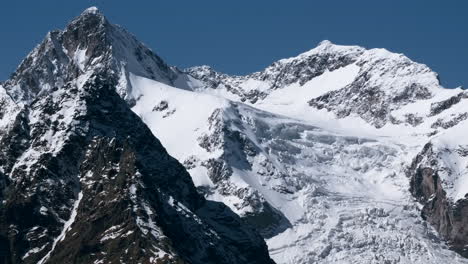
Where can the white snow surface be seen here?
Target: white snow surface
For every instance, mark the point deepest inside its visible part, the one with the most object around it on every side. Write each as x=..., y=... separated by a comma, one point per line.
x=339, y=182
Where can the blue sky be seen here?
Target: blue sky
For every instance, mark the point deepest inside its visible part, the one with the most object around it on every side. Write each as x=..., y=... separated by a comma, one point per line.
x=240, y=37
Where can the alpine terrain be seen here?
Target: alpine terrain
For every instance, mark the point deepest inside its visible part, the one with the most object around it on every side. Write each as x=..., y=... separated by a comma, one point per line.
x=339, y=155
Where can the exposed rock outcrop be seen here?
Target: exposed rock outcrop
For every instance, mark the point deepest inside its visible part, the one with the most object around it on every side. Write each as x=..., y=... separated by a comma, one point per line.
x=447, y=216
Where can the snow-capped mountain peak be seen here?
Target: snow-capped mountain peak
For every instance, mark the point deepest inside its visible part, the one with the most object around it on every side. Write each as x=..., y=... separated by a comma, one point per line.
x=91, y=10
x=389, y=80
x=315, y=151
x=326, y=47
x=354, y=91
x=87, y=43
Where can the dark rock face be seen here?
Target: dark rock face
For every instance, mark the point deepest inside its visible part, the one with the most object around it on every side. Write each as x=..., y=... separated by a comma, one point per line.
x=448, y=217
x=439, y=107
x=163, y=105
x=451, y=122
x=369, y=102
x=280, y=74
x=83, y=180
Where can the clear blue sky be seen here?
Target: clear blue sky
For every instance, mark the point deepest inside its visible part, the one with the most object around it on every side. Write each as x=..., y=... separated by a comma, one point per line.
x=244, y=36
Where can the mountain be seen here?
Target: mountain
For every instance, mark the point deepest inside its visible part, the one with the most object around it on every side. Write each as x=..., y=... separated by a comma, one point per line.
x=341, y=154
x=377, y=93
x=84, y=180
x=323, y=153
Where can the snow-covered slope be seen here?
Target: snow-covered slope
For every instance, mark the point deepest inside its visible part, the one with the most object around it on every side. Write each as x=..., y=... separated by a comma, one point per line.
x=317, y=194
x=373, y=93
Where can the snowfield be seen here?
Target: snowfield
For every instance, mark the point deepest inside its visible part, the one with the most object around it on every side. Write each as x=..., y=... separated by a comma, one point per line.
x=338, y=184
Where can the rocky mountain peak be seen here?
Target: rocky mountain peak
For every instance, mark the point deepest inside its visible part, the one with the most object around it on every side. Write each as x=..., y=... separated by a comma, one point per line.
x=327, y=47
x=299, y=69
x=388, y=80
x=90, y=13
x=88, y=43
